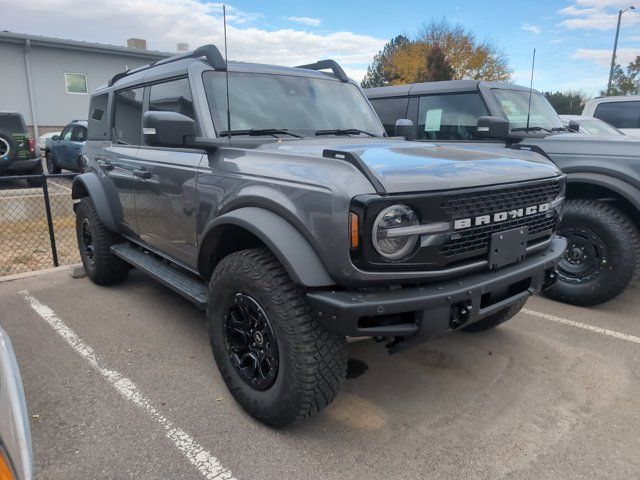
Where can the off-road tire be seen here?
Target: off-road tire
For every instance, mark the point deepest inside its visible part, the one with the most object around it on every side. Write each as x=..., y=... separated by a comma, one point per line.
x=52, y=167
x=312, y=361
x=105, y=268
x=621, y=239
x=496, y=319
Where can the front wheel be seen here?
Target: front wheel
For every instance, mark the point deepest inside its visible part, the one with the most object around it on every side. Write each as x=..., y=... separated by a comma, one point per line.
x=277, y=361
x=601, y=256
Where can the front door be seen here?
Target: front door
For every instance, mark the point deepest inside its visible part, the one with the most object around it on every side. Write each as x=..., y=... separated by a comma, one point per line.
x=166, y=182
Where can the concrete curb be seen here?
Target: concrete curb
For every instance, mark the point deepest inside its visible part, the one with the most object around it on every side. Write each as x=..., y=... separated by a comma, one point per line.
x=37, y=273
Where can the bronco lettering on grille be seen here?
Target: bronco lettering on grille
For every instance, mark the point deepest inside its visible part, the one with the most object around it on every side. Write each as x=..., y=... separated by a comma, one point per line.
x=500, y=216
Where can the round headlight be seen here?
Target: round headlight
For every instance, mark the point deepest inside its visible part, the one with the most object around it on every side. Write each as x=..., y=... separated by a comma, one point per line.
x=389, y=244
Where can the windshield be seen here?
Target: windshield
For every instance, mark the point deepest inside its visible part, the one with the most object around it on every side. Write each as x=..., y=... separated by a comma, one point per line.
x=300, y=105
x=515, y=105
x=593, y=126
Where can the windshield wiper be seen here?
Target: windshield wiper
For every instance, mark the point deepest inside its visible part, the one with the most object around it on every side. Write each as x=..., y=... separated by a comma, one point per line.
x=254, y=132
x=344, y=131
x=559, y=129
x=530, y=129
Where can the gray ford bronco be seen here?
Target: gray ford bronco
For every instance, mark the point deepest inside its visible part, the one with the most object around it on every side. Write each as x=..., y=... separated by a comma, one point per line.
x=295, y=223
x=601, y=218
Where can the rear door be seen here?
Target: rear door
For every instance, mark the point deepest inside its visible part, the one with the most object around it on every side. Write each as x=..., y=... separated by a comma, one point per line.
x=166, y=181
x=118, y=159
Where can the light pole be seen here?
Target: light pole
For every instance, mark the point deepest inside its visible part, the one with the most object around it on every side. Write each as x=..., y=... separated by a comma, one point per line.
x=615, y=47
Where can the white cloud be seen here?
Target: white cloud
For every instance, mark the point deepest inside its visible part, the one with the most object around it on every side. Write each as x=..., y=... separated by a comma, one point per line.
x=596, y=15
x=603, y=57
x=531, y=28
x=312, y=22
x=164, y=23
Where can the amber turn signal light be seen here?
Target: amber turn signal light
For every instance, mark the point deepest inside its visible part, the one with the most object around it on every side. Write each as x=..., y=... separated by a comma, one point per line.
x=354, y=230
x=5, y=469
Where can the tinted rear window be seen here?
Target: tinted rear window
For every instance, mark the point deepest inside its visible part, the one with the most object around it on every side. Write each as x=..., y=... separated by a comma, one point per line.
x=619, y=114
x=12, y=124
x=128, y=116
x=98, y=125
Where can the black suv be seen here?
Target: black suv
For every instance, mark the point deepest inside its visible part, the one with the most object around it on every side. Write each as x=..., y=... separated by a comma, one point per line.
x=270, y=197
x=602, y=216
x=19, y=154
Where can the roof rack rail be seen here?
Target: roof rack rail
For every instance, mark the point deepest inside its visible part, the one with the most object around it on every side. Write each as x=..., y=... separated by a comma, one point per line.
x=210, y=52
x=328, y=64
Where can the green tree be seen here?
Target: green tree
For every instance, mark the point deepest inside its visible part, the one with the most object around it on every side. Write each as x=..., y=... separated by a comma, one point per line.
x=437, y=65
x=439, y=51
x=376, y=75
x=469, y=57
x=625, y=81
x=566, y=103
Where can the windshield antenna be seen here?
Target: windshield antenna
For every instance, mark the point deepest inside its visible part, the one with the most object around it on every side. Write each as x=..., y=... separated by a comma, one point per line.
x=224, y=20
x=533, y=66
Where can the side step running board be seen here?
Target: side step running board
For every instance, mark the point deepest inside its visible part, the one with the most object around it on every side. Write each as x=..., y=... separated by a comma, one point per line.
x=184, y=284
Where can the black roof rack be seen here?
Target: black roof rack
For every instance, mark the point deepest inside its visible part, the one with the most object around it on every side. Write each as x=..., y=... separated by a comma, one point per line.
x=210, y=52
x=328, y=64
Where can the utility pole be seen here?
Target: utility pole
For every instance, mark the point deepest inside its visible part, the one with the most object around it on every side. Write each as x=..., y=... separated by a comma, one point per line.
x=615, y=47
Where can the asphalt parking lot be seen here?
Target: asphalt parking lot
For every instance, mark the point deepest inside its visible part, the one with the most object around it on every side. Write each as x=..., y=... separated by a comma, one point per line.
x=120, y=383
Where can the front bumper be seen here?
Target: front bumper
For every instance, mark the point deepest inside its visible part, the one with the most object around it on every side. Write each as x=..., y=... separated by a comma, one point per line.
x=419, y=313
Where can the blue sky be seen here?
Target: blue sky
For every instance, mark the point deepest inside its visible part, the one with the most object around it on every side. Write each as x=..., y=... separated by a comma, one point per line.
x=573, y=38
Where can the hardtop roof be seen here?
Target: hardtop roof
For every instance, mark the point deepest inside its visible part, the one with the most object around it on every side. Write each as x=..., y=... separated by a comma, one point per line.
x=448, y=86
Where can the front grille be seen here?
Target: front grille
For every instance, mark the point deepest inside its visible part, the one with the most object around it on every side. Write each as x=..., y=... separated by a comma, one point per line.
x=474, y=241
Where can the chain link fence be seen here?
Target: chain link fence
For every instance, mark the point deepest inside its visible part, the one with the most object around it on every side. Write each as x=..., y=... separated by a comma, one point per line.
x=37, y=223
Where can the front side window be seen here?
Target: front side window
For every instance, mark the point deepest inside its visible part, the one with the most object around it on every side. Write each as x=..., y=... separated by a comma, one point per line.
x=515, y=105
x=302, y=105
x=619, y=114
x=450, y=117
x=128, y=116
x=75, y=82
x=78, y=134
x=389, y=110
x=66, y=133
x=172, y=96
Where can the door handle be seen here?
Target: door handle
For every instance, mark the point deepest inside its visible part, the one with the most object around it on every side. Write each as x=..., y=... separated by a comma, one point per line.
x=142, y=173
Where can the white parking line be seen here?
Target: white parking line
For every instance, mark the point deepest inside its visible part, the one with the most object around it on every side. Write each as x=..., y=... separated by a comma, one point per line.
x=205, y=462
x=584, y=326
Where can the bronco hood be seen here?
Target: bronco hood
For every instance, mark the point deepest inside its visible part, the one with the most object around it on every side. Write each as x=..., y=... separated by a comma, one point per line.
x=402, y=166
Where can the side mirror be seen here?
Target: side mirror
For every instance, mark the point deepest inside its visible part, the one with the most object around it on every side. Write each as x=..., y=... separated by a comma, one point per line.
x=167, y=129
x=405, y=128
x=574, y=126
x=55, y=138
x=493, y=127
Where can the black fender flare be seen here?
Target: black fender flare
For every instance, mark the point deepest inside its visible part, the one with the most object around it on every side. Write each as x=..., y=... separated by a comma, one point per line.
x=89, y=184
x=294, y=252
x=622, y=188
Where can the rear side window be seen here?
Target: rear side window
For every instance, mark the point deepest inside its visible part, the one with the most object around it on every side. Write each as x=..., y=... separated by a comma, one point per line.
x=128, y=116
x=619, y=114
x=174, y=96
x=12, y=124
x=389, y=110
x=98, y=127
x=450, y=117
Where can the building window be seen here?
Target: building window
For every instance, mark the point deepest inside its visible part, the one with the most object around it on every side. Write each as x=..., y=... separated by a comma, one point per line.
x=76, y=82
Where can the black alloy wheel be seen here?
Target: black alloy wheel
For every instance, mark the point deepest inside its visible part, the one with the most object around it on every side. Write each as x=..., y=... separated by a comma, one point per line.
x=251, y=342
